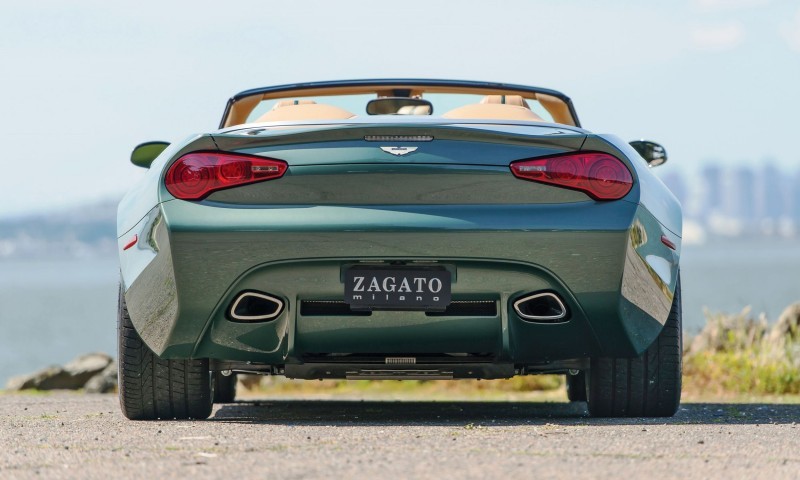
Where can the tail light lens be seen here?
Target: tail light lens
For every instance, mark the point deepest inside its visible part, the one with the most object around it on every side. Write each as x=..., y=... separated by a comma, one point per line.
x=599, y=175
x=195, y=175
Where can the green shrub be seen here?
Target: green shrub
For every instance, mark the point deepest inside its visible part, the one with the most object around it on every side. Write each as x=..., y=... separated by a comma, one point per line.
x=739, y=354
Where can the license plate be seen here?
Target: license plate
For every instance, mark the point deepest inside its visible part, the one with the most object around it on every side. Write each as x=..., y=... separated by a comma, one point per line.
x=397, y=288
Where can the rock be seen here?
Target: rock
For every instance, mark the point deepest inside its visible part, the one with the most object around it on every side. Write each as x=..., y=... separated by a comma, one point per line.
x=103, y=382
x=88, y=365
x=53, y=375
x=71, y=376
x=788, y=325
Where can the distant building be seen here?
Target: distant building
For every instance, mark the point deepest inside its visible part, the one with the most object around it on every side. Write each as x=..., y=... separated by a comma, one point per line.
x=740, y=196
x=771, y=193
x=711, y=190
x=762, y=199
x=794, y=199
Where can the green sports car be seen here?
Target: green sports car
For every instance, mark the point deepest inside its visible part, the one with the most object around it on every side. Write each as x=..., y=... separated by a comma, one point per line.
x=399, y=229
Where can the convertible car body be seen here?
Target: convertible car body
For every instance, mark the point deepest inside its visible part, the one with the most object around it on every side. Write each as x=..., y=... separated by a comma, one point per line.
x=393, y=229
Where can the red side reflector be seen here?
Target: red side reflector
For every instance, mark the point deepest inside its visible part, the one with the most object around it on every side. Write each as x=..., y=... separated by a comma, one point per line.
x=196, y=175
x=131, y=243
x=666, y=241
x=599, y=175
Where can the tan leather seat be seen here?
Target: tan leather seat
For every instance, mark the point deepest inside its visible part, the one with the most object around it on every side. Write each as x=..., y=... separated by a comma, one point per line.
x=496, y=107
x=506, y=100
x=491, y=111
x=299, y=110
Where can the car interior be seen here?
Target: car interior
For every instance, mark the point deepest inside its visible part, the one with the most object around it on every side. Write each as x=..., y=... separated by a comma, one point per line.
x=494, y=106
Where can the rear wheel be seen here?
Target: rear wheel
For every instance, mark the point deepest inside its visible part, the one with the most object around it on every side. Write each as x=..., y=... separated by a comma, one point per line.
x=151, y=388
x=645, y=386
x=576, y=387
x=224, y=388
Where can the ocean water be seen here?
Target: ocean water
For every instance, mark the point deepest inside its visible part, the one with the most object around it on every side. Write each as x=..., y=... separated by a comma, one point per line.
x=727, y=276
x=54, y=310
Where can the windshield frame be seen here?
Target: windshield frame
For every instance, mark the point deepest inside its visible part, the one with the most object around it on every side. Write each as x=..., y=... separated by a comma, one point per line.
x=256, y=95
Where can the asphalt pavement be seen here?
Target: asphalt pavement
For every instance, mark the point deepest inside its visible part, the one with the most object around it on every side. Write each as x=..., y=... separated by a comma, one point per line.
x=84, y=436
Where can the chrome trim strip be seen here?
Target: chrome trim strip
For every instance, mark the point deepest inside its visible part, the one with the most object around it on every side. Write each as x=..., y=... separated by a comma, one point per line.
x=398, y=138
x=246, y=318
x=536, y=317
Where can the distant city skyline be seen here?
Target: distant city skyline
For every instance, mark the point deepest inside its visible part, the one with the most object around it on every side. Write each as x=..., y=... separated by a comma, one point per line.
x=734, y=200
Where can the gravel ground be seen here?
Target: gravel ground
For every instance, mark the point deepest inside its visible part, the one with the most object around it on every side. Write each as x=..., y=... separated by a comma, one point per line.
x=85, y=436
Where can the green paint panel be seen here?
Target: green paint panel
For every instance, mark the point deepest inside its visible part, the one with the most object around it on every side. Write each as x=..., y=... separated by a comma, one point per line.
x=452, y=201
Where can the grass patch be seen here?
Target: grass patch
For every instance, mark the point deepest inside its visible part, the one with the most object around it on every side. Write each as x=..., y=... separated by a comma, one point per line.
x=31, y=392
x=540, y=387
x=739, y=354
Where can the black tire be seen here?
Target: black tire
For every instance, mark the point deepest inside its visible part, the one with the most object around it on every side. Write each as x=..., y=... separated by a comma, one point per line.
x=646, y=386
x=224, y=388
x=151, y=388
x=576, y=387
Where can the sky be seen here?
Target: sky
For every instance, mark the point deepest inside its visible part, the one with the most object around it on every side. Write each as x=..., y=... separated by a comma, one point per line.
x=83, y=82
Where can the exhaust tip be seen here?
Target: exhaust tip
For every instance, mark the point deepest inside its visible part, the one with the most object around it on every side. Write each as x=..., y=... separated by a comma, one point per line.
x=541, y=307
x=255, y=306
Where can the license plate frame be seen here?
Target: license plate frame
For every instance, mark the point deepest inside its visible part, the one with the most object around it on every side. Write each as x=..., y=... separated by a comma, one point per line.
x=389, y=287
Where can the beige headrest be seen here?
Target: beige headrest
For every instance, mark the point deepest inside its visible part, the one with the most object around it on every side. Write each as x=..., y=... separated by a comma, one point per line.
x=505, y=100
x=493, y=111
x=289, y=103
x=305, y=111
x=415, y=110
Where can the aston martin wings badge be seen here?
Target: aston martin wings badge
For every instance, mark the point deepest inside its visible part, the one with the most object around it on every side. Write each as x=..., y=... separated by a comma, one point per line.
x=399, y=150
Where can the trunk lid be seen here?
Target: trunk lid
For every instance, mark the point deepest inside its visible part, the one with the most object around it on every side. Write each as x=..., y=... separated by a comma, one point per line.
x=346, y=164
x=355, y=143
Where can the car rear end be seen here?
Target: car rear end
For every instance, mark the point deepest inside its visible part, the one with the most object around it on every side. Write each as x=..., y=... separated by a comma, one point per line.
x=399, y=251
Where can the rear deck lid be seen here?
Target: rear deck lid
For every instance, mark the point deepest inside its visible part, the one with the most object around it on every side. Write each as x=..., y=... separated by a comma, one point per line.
x=402, y=142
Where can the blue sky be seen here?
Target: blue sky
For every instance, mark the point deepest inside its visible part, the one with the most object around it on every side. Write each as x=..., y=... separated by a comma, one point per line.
x=85, y=81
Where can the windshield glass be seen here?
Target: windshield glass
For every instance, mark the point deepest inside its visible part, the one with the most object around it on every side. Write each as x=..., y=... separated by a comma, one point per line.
x=345, y=102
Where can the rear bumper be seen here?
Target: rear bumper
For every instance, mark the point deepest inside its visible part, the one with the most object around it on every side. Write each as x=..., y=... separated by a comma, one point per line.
x=604, y=259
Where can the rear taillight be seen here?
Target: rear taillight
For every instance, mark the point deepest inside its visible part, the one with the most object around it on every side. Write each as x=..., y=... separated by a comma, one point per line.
x=196, y=175
x=599, y=175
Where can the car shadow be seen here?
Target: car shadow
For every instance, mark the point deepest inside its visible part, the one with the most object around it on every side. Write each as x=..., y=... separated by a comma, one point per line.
x=454, y=413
